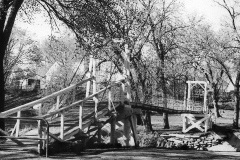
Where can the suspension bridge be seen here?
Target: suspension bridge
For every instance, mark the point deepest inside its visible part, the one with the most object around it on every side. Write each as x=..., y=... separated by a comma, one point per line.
x=85, y=114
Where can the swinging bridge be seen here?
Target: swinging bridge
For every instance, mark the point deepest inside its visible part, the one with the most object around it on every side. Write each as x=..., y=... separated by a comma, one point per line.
x=86, y=113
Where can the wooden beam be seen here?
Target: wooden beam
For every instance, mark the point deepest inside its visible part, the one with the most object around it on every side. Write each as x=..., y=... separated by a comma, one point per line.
x=62, y=126
x=18, y=124
x=132, y=120
x=4, y=133
x=80, y=115
x=89, y=75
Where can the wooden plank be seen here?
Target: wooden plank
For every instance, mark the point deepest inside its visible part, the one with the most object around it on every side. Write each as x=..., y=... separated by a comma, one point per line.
x=15, y=126
x=55, y=137
x=4, y=133
x=30, y=138
x=76, y=129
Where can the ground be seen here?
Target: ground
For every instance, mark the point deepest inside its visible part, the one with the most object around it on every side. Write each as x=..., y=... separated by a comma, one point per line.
x=140, y=153
x=132, y=154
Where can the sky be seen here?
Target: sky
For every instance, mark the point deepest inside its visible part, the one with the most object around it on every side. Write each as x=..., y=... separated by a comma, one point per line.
x=212, y=13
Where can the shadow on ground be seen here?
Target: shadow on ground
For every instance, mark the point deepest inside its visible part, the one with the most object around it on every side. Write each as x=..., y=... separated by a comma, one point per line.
x=153, y=153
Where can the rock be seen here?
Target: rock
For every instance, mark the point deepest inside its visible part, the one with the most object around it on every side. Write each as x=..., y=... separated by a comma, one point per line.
x=225, y=146
x=121, y=140
x=105, y=132
x=168, y=144
x=163, y=143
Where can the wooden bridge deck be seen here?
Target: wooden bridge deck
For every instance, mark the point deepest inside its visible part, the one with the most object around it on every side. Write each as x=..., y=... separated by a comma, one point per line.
x=71, y=122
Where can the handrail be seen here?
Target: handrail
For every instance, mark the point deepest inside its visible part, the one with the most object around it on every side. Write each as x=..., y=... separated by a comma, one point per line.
x=30, y=104
x=31, y=118
x=80, y=101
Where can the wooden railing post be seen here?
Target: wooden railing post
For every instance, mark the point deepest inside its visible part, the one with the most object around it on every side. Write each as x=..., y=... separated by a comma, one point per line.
x=89, y=75
x=62, y=126
x=40, y=144
x=113, y=121
x=189, y=96
x=58, y=102
x=80, y=115
x=18, y=124
x=109, y=99
x=95, y=98
x=205, y=109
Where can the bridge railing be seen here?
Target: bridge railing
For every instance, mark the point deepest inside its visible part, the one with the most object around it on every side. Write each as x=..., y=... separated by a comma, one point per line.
x=63, y=109
x=176, y=104
x=39, y=102
x=79, y=104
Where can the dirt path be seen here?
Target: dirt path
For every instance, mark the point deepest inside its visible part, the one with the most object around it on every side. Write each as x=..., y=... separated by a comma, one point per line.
x=138, y=154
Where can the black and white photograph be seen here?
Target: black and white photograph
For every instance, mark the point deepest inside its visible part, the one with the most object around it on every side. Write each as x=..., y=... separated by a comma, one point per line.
x=120, y=79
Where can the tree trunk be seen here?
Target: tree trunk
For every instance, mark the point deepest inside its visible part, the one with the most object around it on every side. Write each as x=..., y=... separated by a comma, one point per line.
x=215, y=103
x=236, y=107
x=6, y=25
x=147, y=122
x=2, y=92
x=2, y=52
x=164, y=92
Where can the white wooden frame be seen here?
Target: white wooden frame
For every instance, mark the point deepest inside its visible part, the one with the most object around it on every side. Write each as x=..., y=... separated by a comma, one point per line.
x=191, y=84
x=190, y=122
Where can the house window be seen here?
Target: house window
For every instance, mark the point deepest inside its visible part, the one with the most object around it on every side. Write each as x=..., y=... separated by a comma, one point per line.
x=30, y=82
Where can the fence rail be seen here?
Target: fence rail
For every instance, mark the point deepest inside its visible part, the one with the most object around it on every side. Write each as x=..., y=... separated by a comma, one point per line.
x=40, y=137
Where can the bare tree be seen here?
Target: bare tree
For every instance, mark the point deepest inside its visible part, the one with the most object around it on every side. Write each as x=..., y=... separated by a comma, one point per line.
x=62, y=10
x=232, y=50
x=165, y=27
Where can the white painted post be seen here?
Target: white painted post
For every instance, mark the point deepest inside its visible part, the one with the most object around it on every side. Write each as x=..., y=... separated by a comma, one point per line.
x=80, y=116
x=205, y=98
x=18, y=124
x=58, y=102
x=57, y=106
x=113, y=122
x=127, y=71
x=62, y=126
x=127, y=125
x=185, y=98
x=207, y=123
x=94, y=86
x=189, y=96
x=89, y=75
